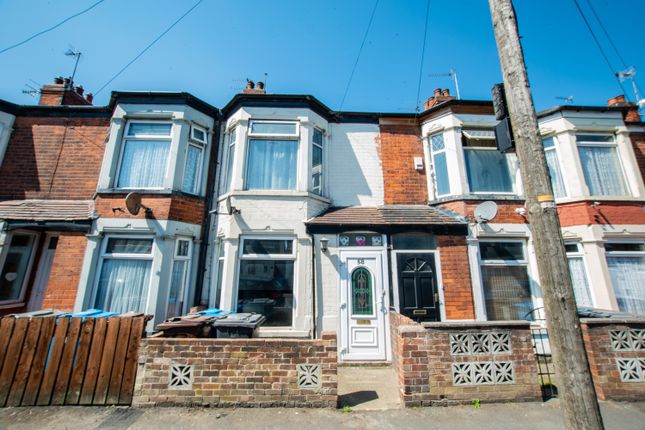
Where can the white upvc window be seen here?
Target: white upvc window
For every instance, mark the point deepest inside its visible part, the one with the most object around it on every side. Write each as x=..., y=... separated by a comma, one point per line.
x=194, y=160
x=16, y=262
x=123, y=279
x=578, y=271
x=145, y=149
x=505, y=280
x=439, y=165
x=317, y=162
x=272, y=155
x=626, y=264
x=221, y=259
x=198, y=134
x=553, y=163
x=487, y=169
x=180, y=278
x=228, y=160
x=266, y=278
x=601, y=165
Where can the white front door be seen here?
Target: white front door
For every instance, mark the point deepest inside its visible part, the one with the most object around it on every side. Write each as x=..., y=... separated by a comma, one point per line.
x=363, y=306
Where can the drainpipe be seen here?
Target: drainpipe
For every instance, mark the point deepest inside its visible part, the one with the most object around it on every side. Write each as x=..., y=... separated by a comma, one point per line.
x=206, y=228
x=313, y=285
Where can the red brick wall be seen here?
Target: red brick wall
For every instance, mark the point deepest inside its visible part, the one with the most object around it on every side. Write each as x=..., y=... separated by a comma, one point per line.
x=455, y=277
x=176, y=207
x=423, y=360
x=638, y=143
x=53, y=158
x=62, y=285
x=237, y=372
x=505, y=211
x=603, y=359
x=584, y=213
x=403, y=184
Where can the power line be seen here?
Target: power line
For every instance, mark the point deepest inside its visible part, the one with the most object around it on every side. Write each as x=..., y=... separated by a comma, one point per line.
x=51, y=28
x=611, y=42
x=351, y=76
x=148, y=47
x=423, y=53
x=602, y=51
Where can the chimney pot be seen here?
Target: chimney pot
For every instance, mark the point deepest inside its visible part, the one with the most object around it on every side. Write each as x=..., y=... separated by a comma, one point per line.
x=445, y=92
x=80, y=90
x=616, y=101
x=260, y=85
x=437, y=92
x=250, y=84
x=67, y=81
x=58, y=80
x=89, y=97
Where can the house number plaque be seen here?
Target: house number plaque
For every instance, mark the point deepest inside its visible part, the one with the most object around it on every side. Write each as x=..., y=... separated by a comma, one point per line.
x=363, y=322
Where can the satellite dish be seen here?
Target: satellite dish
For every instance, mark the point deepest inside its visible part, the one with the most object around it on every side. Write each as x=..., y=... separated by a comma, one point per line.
x=133, y=203
x=485, y=211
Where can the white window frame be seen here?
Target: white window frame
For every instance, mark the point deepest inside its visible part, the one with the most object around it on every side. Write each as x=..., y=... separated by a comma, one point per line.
x=127, y=136
x=186, y=276
x=501, y=263
x=434, y=170
x=617, y=153
x=485, y=148
x=321, y=189
x=556, y=148
x=622, y=254
x=194, y=127
x=280, y=257
x=32, y=258
x=197, y=187
x=580, y=253
x=105, y=256
x=272, y=136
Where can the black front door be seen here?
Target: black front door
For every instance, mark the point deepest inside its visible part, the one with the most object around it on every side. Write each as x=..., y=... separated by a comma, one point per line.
x=418, y=293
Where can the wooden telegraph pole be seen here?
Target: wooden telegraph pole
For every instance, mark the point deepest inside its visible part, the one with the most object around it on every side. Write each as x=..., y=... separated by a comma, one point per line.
x=579, y=400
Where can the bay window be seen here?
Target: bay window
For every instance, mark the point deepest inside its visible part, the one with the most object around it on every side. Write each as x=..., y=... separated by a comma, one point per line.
x=228, y=159
x=266, y=279
x=578, y=271
x=553, y=163
x=601, y=165
x=317, y=162
x=124, y=274
x=486, y=167
x=16, y=267
x=179, y=278
x=439, y=165
x=194, y=156
x=505, y=280
x=272, y=155
x=144, y=155
x=626, y=263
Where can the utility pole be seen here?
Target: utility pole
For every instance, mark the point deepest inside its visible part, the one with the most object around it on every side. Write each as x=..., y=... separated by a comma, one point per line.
x=581, y=410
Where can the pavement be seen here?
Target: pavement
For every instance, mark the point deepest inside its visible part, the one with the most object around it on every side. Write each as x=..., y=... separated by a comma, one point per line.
x=525, y=416
x=368, y=388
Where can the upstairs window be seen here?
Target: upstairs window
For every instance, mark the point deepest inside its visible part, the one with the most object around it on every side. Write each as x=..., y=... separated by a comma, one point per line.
x=144, y=155
x=317, y=162
x=553, y=163
x=194, y=155
x=439, y=165
x=227, y=159
x=601, y=165
x=272, y=155
x=487, y=168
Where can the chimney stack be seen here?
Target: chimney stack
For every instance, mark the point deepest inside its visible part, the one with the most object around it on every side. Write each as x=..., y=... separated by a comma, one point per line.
x=632, y=114
x=63, y=93
x=251, y=88
x=440, y=96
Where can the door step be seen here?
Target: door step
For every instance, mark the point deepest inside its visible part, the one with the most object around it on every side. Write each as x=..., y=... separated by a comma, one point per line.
x=364, y=364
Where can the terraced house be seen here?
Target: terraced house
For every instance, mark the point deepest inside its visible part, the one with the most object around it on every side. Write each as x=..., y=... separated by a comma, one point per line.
x=323, y=221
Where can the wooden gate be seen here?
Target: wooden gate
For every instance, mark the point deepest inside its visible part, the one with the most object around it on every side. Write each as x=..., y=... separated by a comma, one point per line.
x=68, y=361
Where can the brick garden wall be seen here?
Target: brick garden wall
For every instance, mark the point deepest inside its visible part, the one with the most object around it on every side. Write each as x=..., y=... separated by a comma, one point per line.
x=445, y=363
x=238, y=372
x=616, y=352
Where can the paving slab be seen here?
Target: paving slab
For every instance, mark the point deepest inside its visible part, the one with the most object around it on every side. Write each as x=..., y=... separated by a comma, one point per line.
x=368, y=388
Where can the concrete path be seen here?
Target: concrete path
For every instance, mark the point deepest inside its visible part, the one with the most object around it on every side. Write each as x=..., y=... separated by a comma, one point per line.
x=525, y=416
x=368, y=388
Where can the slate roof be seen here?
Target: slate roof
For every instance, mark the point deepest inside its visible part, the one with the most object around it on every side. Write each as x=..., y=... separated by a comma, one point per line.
x=47, y=210
x=391, y=215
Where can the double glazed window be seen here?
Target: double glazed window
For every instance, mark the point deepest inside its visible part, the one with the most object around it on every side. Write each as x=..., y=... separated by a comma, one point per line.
x=317, y=162
x=266, y=279
x=439, y=165
x=505, y=280
x=144, y=155
x=124, y=276
x=194, y=155
x=626, y=262
x=227, y=173
x=553, y=163
x=272, y=155
x=15, y=267
x=579, y=280
x=179, y=278
x=601, y=165
x=487, y=168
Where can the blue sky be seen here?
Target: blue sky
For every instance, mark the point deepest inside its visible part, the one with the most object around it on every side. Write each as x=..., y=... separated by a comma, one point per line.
x=309, y=47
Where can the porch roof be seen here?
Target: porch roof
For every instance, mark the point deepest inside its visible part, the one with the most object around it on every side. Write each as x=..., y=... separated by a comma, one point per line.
x=389, y=216
x=47, y=210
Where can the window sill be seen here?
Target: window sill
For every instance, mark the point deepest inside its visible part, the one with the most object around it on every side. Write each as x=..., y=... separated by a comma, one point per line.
x=134, y=190
x=280, y=332
x=565, y=200
x=273, y=193
x=460, y=197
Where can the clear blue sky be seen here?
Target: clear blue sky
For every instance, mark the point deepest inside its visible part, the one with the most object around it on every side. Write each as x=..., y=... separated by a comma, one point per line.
x=309, y=47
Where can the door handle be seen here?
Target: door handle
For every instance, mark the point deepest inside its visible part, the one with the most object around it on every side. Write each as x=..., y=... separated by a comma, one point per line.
x=343, y=305
x=436, y=297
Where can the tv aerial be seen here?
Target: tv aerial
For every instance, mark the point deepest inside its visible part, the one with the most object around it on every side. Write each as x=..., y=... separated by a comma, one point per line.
x=73, y=52
x=568, y=99
x=452, y=74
